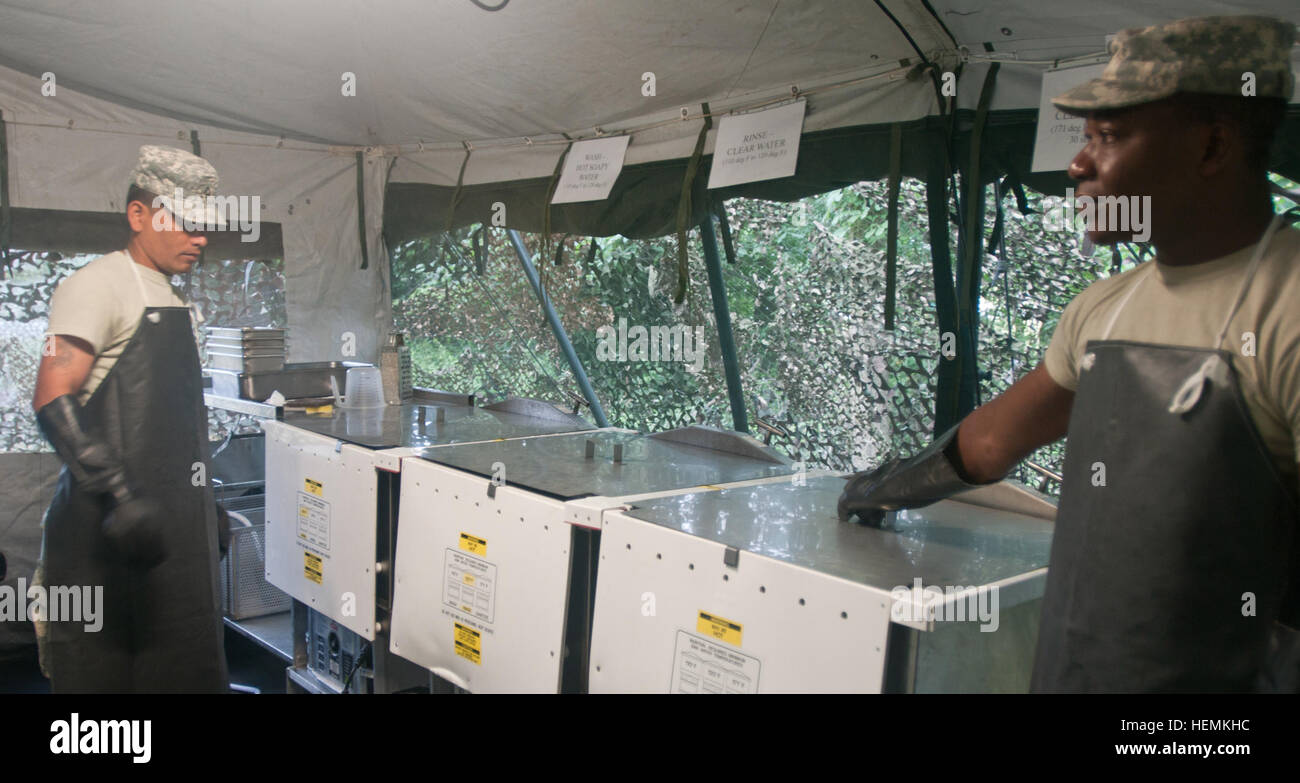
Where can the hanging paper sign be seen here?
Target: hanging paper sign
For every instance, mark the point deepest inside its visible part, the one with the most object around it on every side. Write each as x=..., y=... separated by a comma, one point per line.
x=758, y=146
x=1060, y=136
x=590, y=170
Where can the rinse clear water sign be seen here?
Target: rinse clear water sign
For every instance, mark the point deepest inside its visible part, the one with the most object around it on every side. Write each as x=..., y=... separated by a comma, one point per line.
x=758, y=146
x=1060, y=136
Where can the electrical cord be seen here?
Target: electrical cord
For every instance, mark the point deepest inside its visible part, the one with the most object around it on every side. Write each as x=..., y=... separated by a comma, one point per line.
x=356, y=666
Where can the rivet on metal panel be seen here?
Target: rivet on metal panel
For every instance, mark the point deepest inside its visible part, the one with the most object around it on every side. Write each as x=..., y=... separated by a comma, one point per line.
x=731, y=557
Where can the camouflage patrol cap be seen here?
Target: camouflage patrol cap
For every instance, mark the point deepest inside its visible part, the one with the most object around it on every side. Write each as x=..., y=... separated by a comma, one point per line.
x=169, y=173
x=1208, y=54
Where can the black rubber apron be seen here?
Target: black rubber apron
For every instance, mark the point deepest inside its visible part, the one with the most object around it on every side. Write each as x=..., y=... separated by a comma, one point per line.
x=1172, y=517
x=162, y=628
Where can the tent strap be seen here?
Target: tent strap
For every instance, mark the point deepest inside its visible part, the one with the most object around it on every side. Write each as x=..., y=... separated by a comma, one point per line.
x=720, y=208
x=972, y=246
x=546, y=206
x=945, y=298
x=460, y=188
x=361, y=210
x=6, y=218
x=684, y=207
x=891, y=243
x=478, y=240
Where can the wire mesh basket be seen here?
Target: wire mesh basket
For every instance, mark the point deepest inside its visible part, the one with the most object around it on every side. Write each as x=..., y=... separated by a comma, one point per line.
x=244, y=589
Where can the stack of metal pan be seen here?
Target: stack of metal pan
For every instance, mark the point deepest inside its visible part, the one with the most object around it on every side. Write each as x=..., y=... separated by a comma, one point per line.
x=245, y=349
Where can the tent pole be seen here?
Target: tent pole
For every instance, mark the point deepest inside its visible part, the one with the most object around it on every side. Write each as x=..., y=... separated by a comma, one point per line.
x=722, y=314
x=561, y=337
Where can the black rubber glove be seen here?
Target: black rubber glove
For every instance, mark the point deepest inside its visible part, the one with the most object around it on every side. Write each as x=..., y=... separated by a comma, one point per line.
x=132, y=525
x=132, y=530
x=926, y=478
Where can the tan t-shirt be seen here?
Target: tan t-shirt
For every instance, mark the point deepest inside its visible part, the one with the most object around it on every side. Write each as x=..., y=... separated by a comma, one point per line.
x=1186, y=306
x=101, y=304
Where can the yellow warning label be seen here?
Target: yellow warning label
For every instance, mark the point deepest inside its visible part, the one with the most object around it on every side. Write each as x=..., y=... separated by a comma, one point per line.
x=312, y=567
x=469, y=644
x=314, y=487
x=719, y=628
x=473, y=544
x=469, y=579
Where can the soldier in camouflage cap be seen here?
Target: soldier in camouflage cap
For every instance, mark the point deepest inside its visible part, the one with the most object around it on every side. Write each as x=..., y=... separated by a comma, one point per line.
x=119, y=394
x=1173, y=565
x=169, y=173
x=1208, y=55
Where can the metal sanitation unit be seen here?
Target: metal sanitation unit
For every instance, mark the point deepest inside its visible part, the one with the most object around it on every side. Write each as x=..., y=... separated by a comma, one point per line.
x=761, y=588
x=333, y=488
x=496, y=564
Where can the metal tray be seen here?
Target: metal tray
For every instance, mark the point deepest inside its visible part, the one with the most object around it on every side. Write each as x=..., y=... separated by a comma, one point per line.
x=246, y=363
x=250, y=345
x=244, y=332
x=295, y=381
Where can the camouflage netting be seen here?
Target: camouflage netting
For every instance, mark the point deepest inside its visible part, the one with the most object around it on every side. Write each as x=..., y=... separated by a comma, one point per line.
x=807, y=299
x=228, y=292
x=26, y=284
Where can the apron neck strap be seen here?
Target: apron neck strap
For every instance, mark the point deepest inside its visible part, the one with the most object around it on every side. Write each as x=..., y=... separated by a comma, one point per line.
x=1255, y=258
x=139, y=281
x=196, y=315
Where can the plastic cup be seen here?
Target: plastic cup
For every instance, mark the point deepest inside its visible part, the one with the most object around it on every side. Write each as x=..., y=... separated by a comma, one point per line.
x=364, y=388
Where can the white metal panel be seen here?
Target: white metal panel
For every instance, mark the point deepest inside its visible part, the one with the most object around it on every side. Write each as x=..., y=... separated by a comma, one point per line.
x=801, y=631
x=332, y=519
x=518, y=616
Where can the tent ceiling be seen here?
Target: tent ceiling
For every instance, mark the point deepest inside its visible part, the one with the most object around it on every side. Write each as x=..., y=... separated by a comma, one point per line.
x=446, y=71
x=449, y=71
